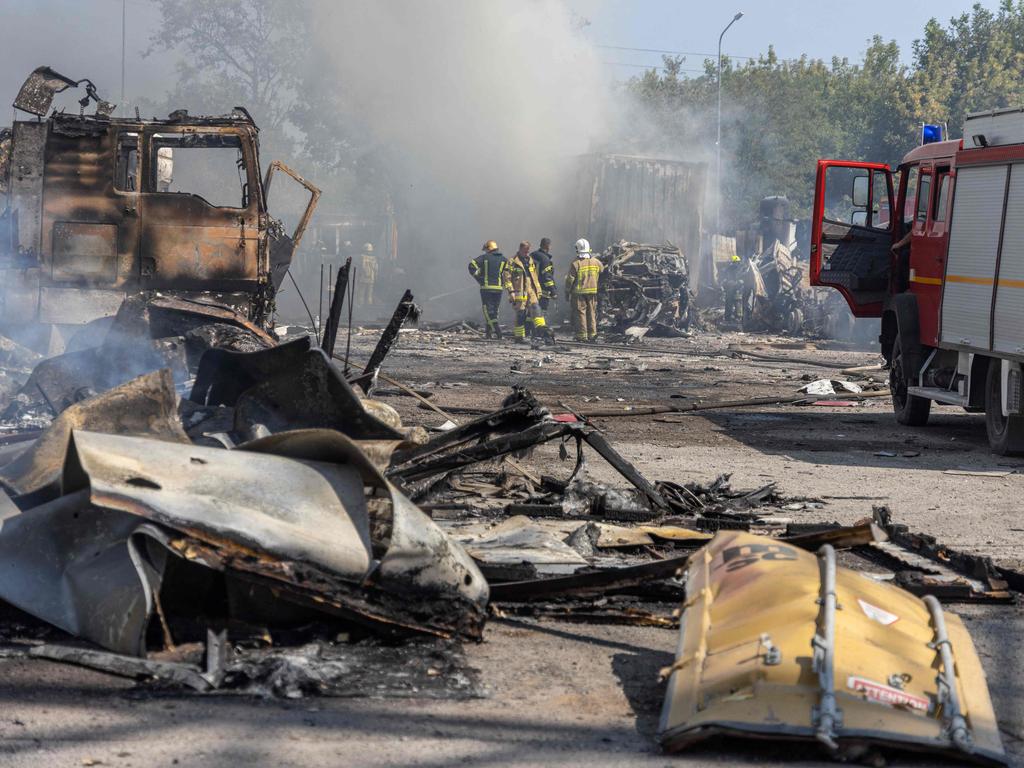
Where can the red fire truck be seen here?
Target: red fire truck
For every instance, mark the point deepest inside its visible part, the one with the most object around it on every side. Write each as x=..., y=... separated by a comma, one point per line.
x=951, y=292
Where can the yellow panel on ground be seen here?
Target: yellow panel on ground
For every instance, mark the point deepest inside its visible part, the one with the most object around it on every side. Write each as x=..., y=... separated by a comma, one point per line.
x=776, y=641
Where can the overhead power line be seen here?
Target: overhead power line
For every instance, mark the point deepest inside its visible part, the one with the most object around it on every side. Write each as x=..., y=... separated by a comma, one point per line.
x=674, y=53
x=647, y=66
x=689, y=53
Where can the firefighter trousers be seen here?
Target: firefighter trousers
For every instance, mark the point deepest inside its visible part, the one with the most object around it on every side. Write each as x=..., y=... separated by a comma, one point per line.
x=584, y=316
x=363, y=293
x=530, y=313
x=491, y=302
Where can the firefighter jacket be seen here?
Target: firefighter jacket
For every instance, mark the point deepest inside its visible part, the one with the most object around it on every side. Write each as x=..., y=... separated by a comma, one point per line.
x=545, y=272
x=488, y=269
x=367, y=272
x=522, y=283
x=583, y=277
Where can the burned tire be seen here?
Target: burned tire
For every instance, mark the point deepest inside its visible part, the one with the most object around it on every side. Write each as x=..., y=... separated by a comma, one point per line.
x=1005, y=433
x=909, y=409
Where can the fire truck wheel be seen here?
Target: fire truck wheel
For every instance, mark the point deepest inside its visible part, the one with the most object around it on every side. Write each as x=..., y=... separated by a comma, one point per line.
x=1005, y=433
x=910, y=409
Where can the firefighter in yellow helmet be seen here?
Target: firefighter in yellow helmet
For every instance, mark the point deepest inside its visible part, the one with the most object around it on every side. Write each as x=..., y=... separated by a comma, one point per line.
x=523, y=285
x=731, y=280
x=488, y=269
x=581, y=289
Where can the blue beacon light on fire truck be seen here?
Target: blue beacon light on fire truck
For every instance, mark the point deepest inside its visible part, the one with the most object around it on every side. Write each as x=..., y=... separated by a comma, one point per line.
x=931, y=133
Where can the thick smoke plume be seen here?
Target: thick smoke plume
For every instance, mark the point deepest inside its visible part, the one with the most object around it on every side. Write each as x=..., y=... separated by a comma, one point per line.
x=480, y=110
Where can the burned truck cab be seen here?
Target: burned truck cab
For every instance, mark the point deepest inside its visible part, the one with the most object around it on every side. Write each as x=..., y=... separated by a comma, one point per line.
x=97, y=207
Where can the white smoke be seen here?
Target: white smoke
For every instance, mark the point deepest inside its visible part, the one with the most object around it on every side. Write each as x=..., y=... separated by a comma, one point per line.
x=480, y=110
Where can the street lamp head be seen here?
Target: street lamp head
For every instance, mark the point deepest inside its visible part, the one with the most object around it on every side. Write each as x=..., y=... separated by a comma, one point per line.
x=738, y=16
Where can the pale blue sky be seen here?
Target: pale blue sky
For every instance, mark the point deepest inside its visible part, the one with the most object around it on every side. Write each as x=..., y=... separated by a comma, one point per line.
x=819, y=28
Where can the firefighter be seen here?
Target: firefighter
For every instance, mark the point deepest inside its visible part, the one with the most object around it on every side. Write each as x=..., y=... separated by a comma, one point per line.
x=488, y=269
x=366, y=275
x=732, y=287
x=523, y=286
x=546, y=273
x=581, y=288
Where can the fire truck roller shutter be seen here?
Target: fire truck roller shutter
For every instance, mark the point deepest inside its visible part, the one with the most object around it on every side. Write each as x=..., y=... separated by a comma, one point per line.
x=973, y=248
x=1007, y=336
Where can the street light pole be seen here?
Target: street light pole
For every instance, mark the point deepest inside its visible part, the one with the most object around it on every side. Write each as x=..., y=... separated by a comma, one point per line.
x=718, y=141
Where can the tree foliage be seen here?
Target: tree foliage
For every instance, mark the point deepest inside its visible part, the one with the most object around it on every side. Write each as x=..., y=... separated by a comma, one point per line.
x=780, y=116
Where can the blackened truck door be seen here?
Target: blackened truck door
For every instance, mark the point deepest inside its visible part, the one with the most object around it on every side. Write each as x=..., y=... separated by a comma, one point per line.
x=851, y=232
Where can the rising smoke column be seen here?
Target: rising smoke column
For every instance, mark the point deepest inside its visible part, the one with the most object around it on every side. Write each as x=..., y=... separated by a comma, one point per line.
x=479, y=109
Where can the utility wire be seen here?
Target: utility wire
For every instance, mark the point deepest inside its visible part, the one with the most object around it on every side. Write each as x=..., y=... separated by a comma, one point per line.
x=646, y=66
x=689, y=53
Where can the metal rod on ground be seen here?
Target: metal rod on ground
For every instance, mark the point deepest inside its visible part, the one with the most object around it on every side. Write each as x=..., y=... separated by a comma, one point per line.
x=417, y=395
x=330, y=336
x=405, y=309
x=312, y=323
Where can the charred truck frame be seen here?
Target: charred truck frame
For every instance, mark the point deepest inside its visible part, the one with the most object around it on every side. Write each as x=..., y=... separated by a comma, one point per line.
x=93, y=212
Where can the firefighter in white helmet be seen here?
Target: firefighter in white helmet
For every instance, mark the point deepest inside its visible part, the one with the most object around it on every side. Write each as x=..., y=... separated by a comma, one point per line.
x=581, y=290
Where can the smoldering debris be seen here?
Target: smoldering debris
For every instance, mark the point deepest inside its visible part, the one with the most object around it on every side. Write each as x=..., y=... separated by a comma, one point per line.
x=645, y=287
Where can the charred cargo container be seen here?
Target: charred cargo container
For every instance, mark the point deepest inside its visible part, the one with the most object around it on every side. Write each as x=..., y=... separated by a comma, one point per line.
x=96, y=206
x=644, y=200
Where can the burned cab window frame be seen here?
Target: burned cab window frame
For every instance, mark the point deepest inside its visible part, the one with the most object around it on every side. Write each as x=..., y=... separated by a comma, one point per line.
x=162, y=157
x=126, y=166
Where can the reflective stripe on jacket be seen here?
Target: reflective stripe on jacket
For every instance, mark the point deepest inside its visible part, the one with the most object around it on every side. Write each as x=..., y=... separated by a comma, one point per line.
x=488, y=269
x=583, y=277
x=521, y=281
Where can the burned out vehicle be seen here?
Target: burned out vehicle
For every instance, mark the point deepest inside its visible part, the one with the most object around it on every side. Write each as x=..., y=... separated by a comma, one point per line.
x=645, y=285
x=96, y=207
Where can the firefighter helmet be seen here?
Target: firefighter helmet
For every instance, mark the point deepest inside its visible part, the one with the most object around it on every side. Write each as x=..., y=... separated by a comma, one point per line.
x=490, y=245
x=582, y=246
x=735, y=257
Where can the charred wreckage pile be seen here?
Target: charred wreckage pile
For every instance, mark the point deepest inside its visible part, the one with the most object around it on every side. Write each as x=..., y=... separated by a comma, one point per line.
x=190, y=501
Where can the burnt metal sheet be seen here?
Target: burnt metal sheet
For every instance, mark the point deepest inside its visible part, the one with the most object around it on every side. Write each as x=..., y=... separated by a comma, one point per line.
x=84, y=251
x=303, y=511
x=776, y=642
x=146, y=405
x=26, y=196
x=293, y=511
x=37, y=92
x=173, y=315
x=91, y=572
x=291, y=386
x=417, y=560
x=76, y=306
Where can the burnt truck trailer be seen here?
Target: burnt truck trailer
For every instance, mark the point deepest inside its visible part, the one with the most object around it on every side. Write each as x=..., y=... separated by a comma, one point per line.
x=96, y=207
x=951, y=298
x=644, y=200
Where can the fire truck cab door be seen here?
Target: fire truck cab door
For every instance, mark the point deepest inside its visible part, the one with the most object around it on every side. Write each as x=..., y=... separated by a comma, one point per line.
x=851, y=232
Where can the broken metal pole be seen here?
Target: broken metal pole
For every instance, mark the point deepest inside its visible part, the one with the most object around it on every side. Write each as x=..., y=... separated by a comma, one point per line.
x=405, y=309
x=330, y=336
x=597, y=441
x=124, y=666
x=492, y=449
x=588, y=584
